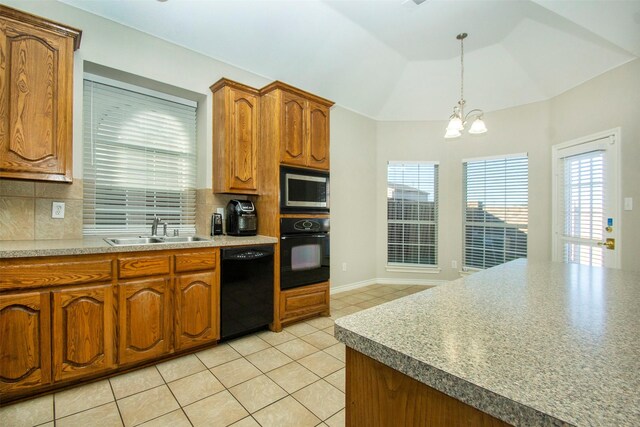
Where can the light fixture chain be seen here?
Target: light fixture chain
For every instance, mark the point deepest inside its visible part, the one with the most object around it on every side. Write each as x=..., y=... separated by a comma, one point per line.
x=462, y=68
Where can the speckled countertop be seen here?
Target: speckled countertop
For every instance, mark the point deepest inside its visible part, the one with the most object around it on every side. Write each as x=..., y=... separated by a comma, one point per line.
x=531, y=343
x=35, y=248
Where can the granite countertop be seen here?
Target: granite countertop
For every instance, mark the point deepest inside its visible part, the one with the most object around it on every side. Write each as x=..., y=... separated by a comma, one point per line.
x=531, y=343
x=35, y=248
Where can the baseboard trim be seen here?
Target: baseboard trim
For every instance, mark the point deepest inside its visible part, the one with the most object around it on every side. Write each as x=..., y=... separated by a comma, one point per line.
x=351, y=286
x=385, y=281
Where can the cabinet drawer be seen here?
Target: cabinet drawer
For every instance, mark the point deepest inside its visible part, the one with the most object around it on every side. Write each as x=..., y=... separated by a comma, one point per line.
x=193, y=261
x=305, y=301
x=52, y=272
x=143, y=266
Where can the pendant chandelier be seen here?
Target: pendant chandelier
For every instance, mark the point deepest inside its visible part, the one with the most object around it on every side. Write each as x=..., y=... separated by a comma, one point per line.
x=458, y=120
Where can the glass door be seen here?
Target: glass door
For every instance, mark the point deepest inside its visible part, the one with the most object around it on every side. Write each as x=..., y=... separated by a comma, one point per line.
x=586, y=211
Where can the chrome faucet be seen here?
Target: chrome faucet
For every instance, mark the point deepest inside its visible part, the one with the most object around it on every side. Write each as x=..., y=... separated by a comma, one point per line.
x=154, y=226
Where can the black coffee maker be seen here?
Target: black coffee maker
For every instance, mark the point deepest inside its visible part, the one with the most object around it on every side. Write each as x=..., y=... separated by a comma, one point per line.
x=241, y=218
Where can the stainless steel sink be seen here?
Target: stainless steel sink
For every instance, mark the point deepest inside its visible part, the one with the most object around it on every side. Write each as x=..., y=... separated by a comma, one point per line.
x=122, y=241
x=129, y=241
x=184, y=239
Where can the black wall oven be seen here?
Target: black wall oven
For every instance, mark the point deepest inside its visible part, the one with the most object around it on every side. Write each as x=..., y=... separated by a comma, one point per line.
x=303, y=190
x=304, y=251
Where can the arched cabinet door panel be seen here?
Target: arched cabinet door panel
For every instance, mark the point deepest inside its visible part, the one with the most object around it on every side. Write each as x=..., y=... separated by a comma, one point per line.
x=236, y=113
x=36, y=96
x=293, y=150
x=83, y=331
x=197, y=317
x=318, y=136
x=144, y=319
x=244, y=141
x=25, y=347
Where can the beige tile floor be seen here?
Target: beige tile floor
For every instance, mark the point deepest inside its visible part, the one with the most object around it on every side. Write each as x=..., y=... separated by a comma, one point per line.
x=292, y=378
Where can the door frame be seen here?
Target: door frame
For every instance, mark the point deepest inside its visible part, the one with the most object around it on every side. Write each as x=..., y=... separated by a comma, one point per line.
x=615, y=163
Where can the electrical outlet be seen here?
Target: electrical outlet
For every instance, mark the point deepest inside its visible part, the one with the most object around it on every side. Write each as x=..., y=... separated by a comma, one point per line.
x=628, y=204
x=57, y=210
x=344, y=266
x=220, y=211
x=454, y=264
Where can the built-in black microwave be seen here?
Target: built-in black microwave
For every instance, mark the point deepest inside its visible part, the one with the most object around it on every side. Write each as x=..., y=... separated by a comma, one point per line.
x=303, y=190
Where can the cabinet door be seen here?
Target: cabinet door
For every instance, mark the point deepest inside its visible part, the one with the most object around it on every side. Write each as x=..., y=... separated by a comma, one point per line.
x=197, y=309
x=318, y=136
x=144, y=319
x=243, y=141
x=25, y=347
x=83, y=331
x=293, y=150
x=35, y=103
x=304, y=301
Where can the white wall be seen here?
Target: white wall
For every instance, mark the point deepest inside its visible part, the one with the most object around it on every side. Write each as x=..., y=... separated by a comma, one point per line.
x=516, y=130
x=353, y=188
x=606, y=102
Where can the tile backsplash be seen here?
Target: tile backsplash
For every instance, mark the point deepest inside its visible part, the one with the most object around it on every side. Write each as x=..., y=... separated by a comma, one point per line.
x=25, y=210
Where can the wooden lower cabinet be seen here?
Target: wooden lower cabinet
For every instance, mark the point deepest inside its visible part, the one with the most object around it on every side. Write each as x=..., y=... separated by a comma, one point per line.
x=304, y=301
x=197, y=297
x=83, y=331
x=69, y=318
x=144, y=319
x=25, y=344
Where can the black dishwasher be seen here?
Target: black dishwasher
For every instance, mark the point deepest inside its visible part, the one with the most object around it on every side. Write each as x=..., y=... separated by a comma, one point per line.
x=246, y=290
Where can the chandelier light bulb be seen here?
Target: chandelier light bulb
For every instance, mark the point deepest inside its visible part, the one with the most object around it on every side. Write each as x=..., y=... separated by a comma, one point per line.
x=478, y=127
x=452, y=133
x=455, y=124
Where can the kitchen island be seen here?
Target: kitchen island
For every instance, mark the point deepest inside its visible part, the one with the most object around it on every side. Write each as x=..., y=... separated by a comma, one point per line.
x=525, y=343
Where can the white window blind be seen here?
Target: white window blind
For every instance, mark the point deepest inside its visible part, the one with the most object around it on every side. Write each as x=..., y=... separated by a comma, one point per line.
x=583, y=195
x=139, y=161
x=412, y=214
x=496, y=211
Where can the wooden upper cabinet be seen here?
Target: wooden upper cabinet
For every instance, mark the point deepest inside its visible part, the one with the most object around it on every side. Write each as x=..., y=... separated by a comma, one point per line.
x=36, y=96
x=293, y=144
x=83, y=331
x=236, y=109
x=303, y=123
x=25, y=346
x=318, y=136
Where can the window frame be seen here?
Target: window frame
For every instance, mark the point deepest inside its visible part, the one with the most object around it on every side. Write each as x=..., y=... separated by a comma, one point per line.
x=415, y=267
x=150, y=201
x=465, y=223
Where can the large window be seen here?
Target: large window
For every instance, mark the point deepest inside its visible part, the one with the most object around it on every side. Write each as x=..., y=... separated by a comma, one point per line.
x=139, y=160
x=496, y=211
x=412, y=206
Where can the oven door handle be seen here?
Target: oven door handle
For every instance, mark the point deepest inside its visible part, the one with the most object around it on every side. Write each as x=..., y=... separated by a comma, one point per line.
x=304, y=235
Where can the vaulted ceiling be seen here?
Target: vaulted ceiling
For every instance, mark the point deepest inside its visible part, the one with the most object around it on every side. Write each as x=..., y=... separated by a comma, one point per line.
x=393, y=59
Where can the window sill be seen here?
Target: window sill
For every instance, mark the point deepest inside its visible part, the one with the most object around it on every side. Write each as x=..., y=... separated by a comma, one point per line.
x=412, y=269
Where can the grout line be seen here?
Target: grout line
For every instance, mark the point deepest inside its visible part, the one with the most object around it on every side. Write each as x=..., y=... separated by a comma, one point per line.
x=309, y=409
x=116, y=401
x=186, y=416
x=84, y=410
